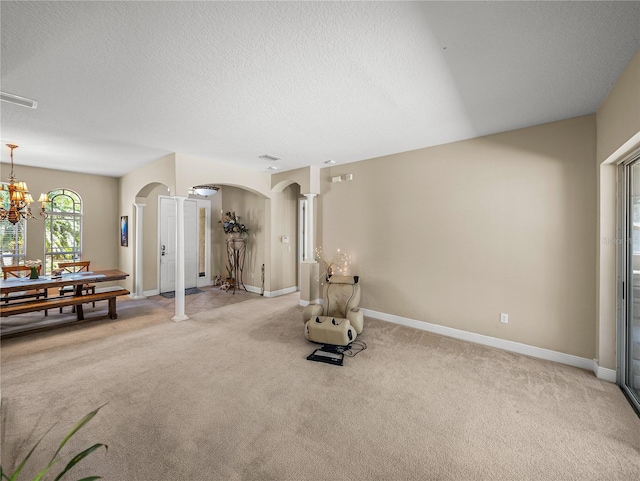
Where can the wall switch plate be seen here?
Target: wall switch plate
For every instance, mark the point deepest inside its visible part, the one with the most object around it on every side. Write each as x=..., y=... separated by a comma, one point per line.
x=504, y=318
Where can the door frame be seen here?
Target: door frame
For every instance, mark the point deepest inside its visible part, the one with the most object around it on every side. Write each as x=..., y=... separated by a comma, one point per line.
x=624, y=276
x=207, y=280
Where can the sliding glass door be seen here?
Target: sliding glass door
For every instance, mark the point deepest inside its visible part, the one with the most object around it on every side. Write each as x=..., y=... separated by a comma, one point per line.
x=629, y=328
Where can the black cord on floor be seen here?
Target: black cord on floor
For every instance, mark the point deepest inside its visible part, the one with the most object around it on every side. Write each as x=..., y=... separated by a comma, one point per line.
x=350, y=350
x=354, y=348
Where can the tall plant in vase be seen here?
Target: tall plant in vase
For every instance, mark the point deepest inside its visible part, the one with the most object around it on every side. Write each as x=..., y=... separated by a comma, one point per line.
x=232, y=225
x=236, y=244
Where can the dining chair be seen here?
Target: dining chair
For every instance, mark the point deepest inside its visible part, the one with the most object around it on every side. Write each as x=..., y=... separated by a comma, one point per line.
x=22, y=271
x=73, y=267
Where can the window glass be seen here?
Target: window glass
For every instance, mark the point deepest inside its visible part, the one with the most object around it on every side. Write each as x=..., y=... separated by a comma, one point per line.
x=63, y=228
x=13, y=237
x=635, y=216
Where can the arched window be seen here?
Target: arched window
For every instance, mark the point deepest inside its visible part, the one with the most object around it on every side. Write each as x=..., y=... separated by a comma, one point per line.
x=13, y=236
x=63, y=228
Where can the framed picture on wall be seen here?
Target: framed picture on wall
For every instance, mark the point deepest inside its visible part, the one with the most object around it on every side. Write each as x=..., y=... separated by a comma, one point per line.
x=124, y=231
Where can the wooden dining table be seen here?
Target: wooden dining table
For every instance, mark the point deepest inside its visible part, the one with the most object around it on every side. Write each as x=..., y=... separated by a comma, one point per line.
x=79, y=297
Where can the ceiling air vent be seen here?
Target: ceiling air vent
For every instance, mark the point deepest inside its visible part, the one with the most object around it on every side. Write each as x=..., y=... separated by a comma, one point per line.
x=15, y=99
x=269, y=157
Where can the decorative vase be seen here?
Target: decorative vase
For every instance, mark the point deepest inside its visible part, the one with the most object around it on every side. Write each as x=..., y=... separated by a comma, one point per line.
x=34, y=273
x=234, y=235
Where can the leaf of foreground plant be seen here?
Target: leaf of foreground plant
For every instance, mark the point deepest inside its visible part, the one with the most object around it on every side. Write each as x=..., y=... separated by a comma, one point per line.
x=75, y=429
x=16, y=473
x=79, y=457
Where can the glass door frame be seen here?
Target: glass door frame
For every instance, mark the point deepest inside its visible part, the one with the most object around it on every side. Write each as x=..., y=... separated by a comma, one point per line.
x=625, y=277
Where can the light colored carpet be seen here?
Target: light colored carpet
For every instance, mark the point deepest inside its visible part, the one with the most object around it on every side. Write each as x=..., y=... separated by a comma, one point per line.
x=229, y=395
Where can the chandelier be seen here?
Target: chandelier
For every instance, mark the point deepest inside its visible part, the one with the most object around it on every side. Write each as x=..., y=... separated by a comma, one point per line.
x=20, y=199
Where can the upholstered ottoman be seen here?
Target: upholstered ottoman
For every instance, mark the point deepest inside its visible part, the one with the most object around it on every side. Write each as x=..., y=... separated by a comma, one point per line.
x=330, y=330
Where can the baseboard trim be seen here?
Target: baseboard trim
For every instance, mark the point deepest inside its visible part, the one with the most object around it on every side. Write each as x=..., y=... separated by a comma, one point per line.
x=152, y=292
x=604, y=373
x=306, y=303
x=254, y=289
x=503, y=344
x=281, y=292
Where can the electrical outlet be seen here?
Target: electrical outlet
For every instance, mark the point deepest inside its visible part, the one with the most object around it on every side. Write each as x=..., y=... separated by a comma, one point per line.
x=504, y=318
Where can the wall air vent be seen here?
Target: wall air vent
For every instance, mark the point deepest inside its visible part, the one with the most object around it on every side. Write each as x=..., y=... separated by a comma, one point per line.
x=269, y=157
x=17, y=100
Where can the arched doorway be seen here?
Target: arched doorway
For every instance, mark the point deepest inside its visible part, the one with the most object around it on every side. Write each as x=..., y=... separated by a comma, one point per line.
x=145, y=237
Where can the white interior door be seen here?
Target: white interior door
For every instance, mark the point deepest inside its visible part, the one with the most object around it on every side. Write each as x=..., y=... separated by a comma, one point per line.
x=168, y=244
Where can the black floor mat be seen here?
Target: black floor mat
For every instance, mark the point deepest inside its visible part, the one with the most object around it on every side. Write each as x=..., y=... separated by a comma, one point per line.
x=172, y=294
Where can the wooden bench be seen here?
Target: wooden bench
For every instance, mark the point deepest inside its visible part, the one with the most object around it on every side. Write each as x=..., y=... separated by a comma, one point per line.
x=18, y=271
x=104, y=294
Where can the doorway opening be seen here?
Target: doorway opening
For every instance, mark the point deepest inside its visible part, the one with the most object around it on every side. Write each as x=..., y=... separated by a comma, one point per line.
x=196, y=243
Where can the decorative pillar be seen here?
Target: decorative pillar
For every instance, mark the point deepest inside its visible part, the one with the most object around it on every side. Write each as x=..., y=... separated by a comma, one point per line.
x=308, y=228
x=309, y=266
x=179, y=297
x=138, y=275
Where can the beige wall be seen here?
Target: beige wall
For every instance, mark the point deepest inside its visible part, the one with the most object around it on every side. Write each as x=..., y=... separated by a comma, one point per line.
x=284, y=216
x=618, y=118
x=101, y=219
x=150, y=238
x=251, y=209
x=192, y=171
x=456, y=234
x=618, y=123
x=307, y=178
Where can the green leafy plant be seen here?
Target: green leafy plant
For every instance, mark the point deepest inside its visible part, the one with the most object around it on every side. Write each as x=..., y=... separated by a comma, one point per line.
x=54, y=459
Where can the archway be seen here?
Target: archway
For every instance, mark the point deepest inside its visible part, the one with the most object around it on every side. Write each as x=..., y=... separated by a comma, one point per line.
x=145, y=237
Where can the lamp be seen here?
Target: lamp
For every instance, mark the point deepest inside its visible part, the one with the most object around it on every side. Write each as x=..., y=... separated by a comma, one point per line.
x=19, y=198
x=205, y=190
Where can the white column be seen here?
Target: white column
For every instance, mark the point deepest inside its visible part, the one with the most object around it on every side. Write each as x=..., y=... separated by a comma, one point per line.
x=308, y=228
x=179, y=298
x=138, y=276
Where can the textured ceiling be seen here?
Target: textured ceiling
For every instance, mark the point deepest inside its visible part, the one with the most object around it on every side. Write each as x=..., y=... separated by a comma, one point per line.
x=120, y=84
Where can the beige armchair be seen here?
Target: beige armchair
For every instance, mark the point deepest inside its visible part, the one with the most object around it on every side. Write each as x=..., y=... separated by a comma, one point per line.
x=339, y=320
